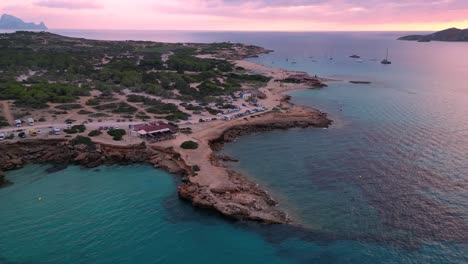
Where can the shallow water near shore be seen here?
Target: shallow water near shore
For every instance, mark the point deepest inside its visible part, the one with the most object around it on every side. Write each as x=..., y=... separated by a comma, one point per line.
x=387, y=183
x=131, y=214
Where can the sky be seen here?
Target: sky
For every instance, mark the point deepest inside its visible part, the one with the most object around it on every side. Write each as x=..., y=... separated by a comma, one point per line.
x=243, y=15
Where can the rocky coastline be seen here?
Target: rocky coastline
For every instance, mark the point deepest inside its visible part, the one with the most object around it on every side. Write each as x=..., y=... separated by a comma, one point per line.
x=238, y=197
x=64, y=152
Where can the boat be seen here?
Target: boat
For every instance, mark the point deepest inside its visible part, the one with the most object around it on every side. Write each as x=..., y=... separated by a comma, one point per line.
x=354, y=56
x=359, y=60
x=386, y=61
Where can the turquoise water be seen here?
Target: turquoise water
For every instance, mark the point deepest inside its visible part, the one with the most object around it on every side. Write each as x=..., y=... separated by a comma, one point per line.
x=131, y=215
x=386, y=183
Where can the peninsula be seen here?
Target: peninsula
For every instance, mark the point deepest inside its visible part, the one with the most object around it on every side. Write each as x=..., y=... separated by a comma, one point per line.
x=89, y=102
x=451, y=34
x=10, y=22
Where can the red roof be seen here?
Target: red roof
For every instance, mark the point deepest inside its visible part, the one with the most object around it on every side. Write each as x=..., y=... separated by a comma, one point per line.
x=154, y=127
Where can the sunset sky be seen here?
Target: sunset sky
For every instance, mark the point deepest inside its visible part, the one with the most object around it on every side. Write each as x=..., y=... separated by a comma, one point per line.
x=271, y=15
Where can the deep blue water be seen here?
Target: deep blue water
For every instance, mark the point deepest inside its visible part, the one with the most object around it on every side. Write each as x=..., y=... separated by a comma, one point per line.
x=386, y=183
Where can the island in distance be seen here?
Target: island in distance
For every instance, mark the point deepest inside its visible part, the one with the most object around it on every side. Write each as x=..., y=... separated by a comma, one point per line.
x=451, y=34
x=10, y=22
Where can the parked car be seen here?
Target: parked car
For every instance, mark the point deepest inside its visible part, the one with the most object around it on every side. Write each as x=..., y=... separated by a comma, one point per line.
x=22, y=135
x=32, y=133
x=2, y=136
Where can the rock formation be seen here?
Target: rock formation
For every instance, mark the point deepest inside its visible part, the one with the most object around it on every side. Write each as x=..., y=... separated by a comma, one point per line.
x=14, y=23
x=451, y=34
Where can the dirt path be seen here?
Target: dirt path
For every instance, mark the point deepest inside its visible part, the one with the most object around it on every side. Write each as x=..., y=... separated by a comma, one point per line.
x=7, y=112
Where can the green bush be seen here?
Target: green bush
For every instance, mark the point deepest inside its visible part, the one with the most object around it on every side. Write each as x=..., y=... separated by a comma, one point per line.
x=68, y=106
x=75, y=129
x=84, y=112
x=82, y=140
x=94, y=133
x=117, y=134
x=80, y=128
x=39, y=94
x=70, y=131
x=92, y=102
x=196, y=168
x=189, y=145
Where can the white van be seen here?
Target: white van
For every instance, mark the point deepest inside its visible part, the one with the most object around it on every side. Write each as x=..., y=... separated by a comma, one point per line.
x=2, y=136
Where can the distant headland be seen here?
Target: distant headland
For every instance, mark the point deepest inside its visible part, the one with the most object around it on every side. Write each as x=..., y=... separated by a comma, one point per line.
x=451, y=34
x=12, y=22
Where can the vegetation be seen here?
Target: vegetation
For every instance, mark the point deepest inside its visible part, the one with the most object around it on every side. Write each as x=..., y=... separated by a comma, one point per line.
x=38, y=95
x=196, y=168
x=75, y=129
x=3, y=122
x=189, y=145
x=68, y=106
x=94, y=133
x=117, y=108
x=178, y=116
x=84, y=112
x=92, y=102
x=81, y=140
x=117, y=134
x=77, y=66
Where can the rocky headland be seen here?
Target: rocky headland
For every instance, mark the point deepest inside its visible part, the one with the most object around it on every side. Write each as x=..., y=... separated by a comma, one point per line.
x=10, y=22
x=230, y=194
x=451, y=34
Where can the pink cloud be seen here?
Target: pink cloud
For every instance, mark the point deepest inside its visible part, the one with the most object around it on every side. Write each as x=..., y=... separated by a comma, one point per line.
x=68, y=4
x=241, y=14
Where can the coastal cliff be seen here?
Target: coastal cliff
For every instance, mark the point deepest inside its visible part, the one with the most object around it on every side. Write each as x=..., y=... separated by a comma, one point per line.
x=237, y=197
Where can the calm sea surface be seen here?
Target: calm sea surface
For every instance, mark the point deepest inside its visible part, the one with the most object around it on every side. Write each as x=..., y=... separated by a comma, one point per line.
x=386, y=183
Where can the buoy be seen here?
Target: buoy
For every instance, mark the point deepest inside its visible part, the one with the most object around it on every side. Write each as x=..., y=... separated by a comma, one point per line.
x=39, y=199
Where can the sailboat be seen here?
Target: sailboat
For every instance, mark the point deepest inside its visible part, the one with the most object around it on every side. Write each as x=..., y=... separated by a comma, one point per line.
x=386, y=61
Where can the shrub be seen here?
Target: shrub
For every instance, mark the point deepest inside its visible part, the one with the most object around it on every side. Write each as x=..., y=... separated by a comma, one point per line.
x=94, y=133
x=196, y=168
x=70, y=131
x=189, y=145
x=82, y=140
x=75, y=129
x=84, y=112
x=117, y=134
x=68, y=106
x=92, y=101
x=80, y=128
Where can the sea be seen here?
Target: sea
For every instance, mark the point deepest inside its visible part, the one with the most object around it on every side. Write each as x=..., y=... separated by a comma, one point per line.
x=387, y=182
